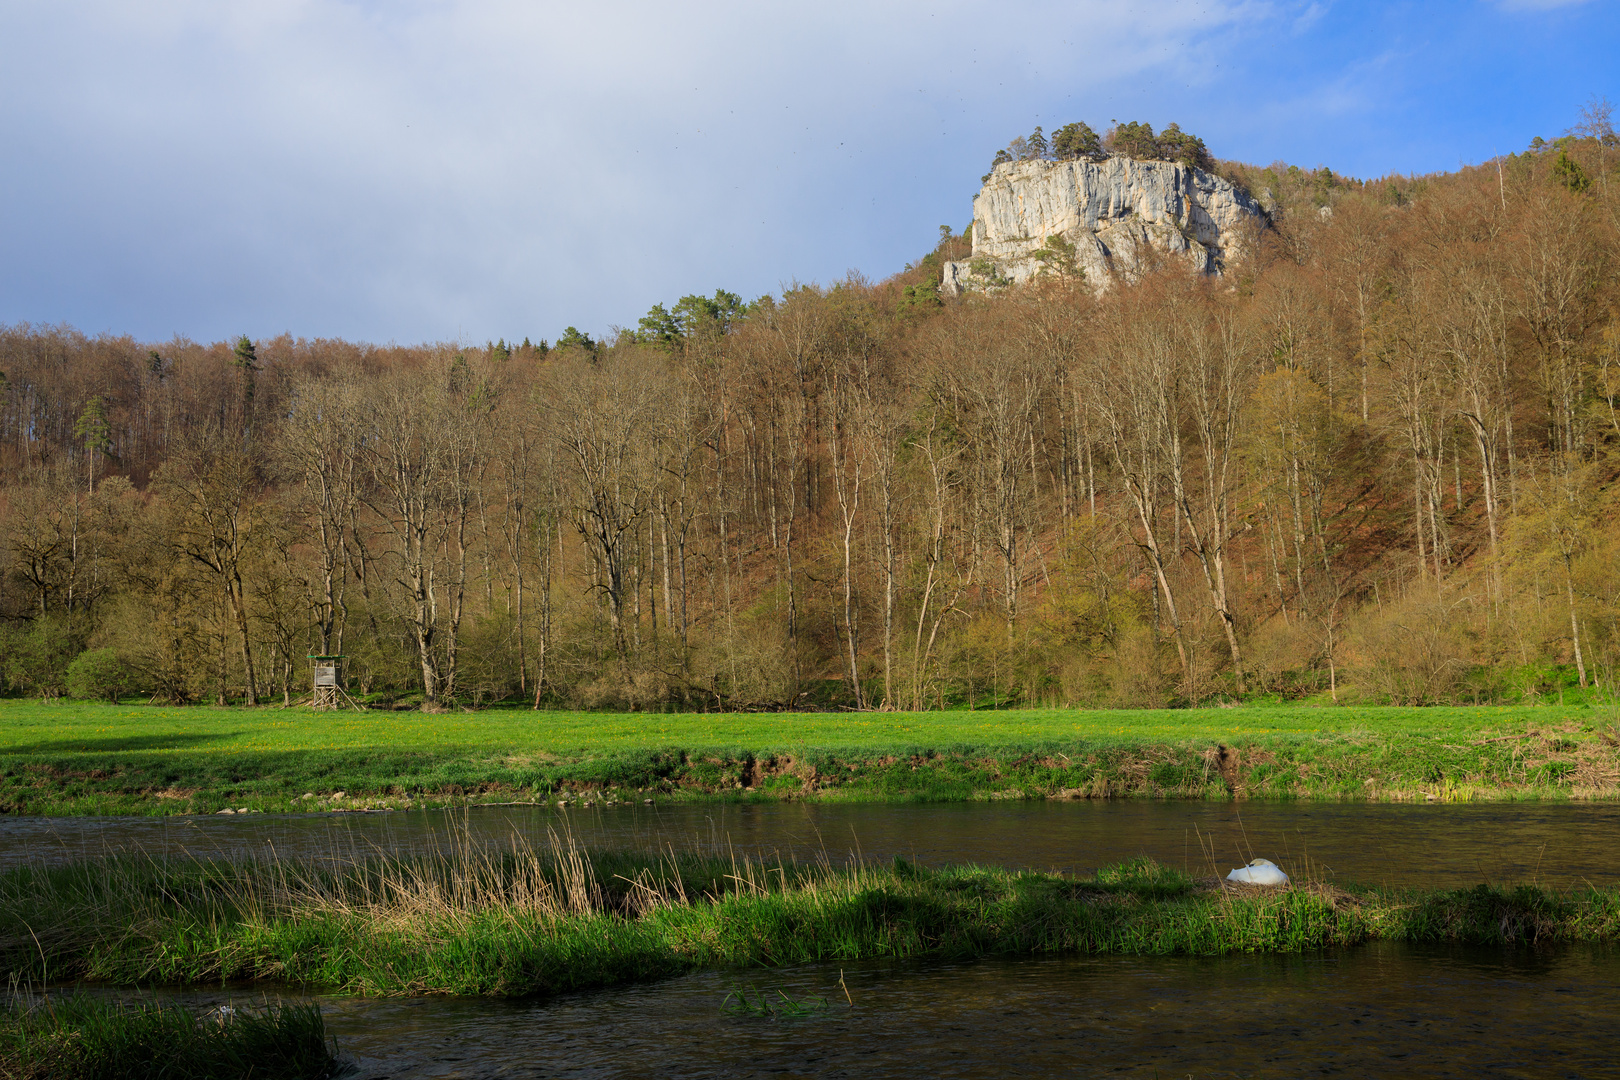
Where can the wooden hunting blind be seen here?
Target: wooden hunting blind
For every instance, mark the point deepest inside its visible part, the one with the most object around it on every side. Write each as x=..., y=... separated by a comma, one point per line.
x=326, y=679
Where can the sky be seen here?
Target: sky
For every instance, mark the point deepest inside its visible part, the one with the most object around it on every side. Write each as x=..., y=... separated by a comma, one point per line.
x=467, y=170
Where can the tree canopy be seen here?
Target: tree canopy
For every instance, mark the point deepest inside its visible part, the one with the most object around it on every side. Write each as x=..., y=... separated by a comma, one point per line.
x=1079, y=142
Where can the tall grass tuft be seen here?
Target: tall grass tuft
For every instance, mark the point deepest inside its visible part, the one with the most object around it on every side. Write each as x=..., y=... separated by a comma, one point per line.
x=85, y=1038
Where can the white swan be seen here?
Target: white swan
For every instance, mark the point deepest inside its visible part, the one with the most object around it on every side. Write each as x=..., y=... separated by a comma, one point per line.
x=1259, y=872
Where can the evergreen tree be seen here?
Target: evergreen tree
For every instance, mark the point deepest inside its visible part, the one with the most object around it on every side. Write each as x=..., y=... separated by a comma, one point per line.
x=1567, y=171
x=92, y=430
x=1075, y=142
x=460, y=373
x=572, y=337
x=918, y=299
x=247, y=365
x=1133, y=140
x=1173, y=144
x=247, y=357
x=658, y=327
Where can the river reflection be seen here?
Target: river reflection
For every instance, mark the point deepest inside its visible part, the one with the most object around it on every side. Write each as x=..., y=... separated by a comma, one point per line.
x=1370, y=843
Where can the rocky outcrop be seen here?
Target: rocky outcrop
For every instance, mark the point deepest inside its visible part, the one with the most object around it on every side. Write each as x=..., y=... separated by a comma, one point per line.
x=1114, y=213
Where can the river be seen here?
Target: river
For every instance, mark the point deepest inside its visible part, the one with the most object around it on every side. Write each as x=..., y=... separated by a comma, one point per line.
x=1383, y=1009
x=1433, y=846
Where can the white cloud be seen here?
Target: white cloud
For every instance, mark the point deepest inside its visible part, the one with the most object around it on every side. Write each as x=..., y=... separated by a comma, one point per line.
x=428, y=169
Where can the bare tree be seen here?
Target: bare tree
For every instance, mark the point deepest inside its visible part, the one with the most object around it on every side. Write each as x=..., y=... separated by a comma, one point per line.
x=320, y=450
x=424, y=446
x=602, y=415
x=1133, y=373
x=215, y=488
x=1219, y=367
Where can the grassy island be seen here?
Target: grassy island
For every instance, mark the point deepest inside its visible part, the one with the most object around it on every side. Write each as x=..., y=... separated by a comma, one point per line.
x=135, y=759
x=479, y=921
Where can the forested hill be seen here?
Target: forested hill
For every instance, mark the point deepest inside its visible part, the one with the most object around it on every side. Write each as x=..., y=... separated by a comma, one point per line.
x=1374, y=459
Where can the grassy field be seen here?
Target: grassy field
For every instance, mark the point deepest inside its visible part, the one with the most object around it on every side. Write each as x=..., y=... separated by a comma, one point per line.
x=71, y=758
x=520, y=922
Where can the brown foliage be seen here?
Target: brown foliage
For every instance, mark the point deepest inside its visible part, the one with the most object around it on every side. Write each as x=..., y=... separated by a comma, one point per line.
x=1380, y=452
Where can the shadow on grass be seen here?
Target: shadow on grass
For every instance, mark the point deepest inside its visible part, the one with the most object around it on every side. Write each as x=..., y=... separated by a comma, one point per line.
x=113, y=746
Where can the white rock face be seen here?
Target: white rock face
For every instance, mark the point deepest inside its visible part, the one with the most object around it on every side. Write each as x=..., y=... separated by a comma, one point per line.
x=1114, y=213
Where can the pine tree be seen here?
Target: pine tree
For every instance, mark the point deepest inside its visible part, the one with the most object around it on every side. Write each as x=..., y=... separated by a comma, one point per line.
x=1133, y=140
x=658, y=327
x=247, y=363
x=92, y=429
x=1173, y=144
x=1567, y=171
x=576, y=338
x=1074, y=142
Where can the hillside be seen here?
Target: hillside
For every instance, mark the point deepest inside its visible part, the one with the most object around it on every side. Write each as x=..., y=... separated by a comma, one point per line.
x=1372, y=459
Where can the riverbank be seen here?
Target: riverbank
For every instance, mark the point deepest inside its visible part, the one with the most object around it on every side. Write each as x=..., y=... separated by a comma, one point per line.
x=80, y=758
x=77, y=1037
x=472, y=920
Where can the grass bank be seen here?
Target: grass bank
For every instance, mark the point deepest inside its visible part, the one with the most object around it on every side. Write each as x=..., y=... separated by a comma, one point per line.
x=83, y=1038
x=475, y=921
x=80, y=758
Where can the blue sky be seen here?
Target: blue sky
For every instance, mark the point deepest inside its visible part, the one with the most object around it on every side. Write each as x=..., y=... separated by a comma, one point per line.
x=461, y=170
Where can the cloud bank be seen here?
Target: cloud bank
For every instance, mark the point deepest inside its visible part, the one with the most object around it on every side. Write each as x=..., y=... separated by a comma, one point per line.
x=441, y=170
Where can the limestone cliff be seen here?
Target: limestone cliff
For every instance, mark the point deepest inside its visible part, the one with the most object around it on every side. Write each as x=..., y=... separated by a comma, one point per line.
x=1113, y=212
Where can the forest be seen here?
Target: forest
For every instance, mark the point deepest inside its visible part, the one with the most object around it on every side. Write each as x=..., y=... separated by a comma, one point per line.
x=1374, y=461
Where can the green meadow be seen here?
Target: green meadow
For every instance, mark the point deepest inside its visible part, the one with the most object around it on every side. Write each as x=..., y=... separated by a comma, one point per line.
x=77, y=758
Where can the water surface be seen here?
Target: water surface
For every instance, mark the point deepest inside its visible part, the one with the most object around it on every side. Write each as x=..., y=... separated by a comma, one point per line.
x=1381, y=1010
x=1557, y=844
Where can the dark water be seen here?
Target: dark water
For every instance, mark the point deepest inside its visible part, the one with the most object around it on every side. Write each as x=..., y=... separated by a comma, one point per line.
x=1431, y=845
x=1376, y=1011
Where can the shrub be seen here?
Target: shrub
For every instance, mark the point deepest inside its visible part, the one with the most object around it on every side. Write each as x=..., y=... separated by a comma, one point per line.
x=36, y=658
x=1410, y=652
x=99, y=673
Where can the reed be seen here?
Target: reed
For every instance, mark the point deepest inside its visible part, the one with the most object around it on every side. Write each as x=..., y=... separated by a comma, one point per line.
x=84, y=1038
x=521, y=920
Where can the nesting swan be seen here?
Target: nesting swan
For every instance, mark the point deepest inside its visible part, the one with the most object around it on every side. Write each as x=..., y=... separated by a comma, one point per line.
x=1259, y=872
